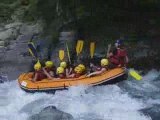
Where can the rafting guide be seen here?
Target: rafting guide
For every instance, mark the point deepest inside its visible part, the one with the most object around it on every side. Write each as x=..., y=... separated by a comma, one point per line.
x=118, y=56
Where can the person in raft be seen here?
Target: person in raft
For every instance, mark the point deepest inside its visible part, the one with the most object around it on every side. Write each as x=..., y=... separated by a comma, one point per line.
x=67, y=68
x=118, y=56
x=78, y=71
x=38, y=73
x=49, y=69
x=82, y=66
x=61, y=73
x=93, y=67
x=103, y=68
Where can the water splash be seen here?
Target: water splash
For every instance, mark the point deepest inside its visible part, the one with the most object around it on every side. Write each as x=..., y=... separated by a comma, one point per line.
x=146, y=90
x=128, y=100
x=93, y=103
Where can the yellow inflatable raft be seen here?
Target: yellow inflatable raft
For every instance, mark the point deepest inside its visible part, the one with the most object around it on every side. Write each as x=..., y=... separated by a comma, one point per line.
x=109, y=77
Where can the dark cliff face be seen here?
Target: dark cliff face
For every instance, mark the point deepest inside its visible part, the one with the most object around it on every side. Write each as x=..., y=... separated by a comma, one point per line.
x=105, y=18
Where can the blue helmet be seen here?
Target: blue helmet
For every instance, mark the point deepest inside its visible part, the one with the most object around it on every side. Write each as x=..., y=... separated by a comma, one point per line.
x=119, y=42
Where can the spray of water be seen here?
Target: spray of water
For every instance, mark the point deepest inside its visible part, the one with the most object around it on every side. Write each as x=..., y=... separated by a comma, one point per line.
x=112, y=102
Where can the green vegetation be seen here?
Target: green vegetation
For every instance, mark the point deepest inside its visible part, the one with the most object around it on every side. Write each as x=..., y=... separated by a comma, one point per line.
x=7, y=8
x=99, y=18
x=104, y=19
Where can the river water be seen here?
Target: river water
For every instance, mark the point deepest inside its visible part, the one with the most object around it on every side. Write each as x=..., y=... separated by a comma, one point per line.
x=127, y=100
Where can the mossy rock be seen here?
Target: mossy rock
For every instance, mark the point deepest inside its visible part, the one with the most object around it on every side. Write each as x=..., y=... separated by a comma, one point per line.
x=7, y=1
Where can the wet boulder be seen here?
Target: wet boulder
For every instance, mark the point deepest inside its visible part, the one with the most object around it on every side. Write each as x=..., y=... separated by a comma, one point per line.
x=51, y=113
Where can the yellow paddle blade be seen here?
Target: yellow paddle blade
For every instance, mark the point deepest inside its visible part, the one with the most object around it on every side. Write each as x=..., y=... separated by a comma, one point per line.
x=135, y=75
x=61, y=54
x=92, y=49
x=79, y=46
x=32, y=49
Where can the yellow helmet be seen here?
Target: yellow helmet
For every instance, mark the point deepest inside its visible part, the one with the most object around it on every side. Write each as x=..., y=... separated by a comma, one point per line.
x=104, y=62
x=60, y=70
x=49, y=64
x=82, y=67
x=37, y=66
x=78, y=69
x=63, y=64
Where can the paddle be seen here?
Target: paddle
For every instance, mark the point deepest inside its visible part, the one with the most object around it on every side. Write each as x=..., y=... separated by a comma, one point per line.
x=33, y=52
x=92, y=49
x=32, y=49
x=68, y=53
x=134, y=74
x=79, y=46
x=61, y=54
x=108, y=50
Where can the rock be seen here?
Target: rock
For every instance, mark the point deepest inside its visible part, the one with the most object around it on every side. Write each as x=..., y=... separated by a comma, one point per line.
x=2, y=27
x=10, y=31
x=69, y=36
x=14, y=59
x=51, y=113
x=2, y=51
x=24, y=38
x=6, y=34
x=30, y=29
x=33, y=106
x=2, y=43
x=13, y=25
x=153, y=110
x=3, y=78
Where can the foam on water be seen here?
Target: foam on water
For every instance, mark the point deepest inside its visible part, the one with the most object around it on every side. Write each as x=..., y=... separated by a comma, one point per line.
x=150, y=82
x=146, y=90
x=13, y=99
x=94, y=103
x=104, y=102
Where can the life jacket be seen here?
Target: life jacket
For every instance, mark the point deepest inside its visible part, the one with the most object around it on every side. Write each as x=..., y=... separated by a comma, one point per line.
x=40, y=75
x=52, y=69
x=119, y=57
x=114, y=59
x=77, y=75
x=62, y=75
x=122, y=53
x=49, y=69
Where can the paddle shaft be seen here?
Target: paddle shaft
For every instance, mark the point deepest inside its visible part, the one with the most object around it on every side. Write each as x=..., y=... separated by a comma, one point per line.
x=68, y=53
x=108, y=50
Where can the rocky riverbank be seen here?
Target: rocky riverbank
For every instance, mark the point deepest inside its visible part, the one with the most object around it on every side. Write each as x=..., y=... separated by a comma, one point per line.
x=13, y=47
